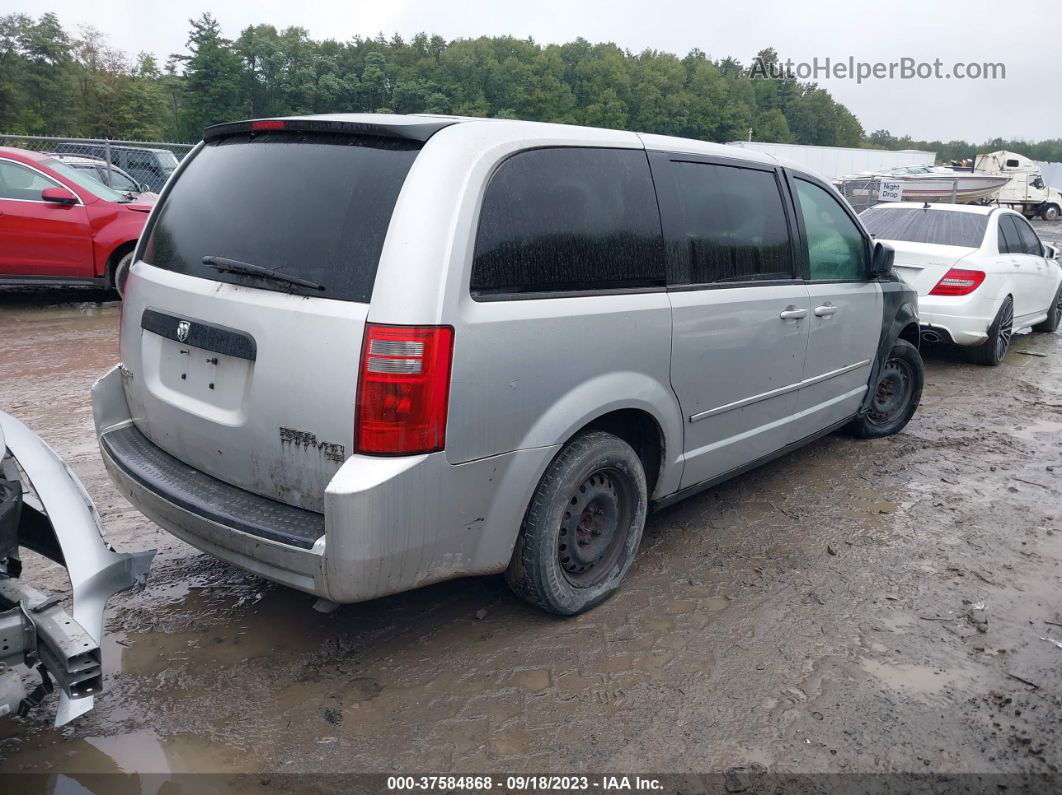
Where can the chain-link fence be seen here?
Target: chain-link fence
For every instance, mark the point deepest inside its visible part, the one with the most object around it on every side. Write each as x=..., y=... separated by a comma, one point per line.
x=128, y=166
x=861, y=193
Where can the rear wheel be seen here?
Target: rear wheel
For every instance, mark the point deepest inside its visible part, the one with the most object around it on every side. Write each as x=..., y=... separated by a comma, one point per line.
x=993, y=350
x=1054, y=314
x=583, y=527
x=896, y=394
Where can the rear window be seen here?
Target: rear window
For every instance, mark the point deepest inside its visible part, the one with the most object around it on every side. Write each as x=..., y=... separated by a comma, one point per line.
x=939, y=227
x=313, y=207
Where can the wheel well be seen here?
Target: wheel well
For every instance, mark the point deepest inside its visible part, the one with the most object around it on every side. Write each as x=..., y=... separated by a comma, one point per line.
x=910, y=333
x=116, y=255
x=641, y=431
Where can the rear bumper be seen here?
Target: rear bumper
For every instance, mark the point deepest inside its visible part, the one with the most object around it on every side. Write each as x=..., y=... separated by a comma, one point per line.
x=390, y=524
x=963, y=320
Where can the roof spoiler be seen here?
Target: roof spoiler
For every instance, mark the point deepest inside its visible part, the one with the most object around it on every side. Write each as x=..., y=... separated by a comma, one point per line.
x=419, y=131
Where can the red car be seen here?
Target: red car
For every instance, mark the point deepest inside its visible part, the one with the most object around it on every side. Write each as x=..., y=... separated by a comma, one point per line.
x=60, y=226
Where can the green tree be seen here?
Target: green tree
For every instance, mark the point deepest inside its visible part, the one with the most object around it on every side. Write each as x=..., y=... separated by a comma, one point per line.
x=47, y=75
x=771, y=125
x=211, y=80
x=141, y=112
x=52, y=82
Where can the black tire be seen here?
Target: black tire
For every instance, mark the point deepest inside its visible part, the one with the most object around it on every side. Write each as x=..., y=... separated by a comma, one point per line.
x=120, y=272
x=1050, y=212
x=896, y=394
x=1054, y=314
x=568, y=560
x=993, y=351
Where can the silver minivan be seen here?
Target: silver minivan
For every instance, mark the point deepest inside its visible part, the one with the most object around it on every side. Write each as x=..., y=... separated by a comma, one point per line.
x=364, y=353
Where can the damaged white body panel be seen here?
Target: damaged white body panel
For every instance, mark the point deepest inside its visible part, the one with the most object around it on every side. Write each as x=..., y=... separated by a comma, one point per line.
x=66, y=528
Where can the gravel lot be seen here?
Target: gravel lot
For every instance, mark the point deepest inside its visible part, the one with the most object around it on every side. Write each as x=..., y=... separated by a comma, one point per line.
x=813, y=616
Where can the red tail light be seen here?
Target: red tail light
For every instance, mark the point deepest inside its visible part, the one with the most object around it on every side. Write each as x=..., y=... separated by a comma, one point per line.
x=267, y=124
x=958, y=282
x=403, y=389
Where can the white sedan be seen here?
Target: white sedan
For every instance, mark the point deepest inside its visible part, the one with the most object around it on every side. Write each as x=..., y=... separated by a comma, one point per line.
x=981, y=272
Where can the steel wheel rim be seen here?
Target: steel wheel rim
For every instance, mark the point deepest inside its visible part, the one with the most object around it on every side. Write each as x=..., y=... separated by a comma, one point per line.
x=1006, y=330
x=592, y=533
x=893, y=392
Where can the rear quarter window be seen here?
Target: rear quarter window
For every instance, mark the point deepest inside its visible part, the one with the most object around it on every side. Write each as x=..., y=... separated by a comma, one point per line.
x=568, y=220
x=312, y=206
x=937, y=227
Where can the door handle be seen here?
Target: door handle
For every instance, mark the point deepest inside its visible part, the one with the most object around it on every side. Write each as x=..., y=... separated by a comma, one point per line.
x=825, y=310
x=792, y=313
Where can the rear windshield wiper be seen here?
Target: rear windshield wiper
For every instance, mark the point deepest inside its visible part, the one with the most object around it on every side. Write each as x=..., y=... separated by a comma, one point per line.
x=224, y=265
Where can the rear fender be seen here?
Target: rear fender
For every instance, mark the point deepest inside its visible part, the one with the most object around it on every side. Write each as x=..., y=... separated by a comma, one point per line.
x=610, y=392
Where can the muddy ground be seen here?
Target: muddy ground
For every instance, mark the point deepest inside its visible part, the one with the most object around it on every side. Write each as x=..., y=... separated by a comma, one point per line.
x=813, y=616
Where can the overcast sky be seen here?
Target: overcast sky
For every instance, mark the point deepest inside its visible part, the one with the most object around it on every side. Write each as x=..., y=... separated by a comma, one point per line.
x=1024, y=36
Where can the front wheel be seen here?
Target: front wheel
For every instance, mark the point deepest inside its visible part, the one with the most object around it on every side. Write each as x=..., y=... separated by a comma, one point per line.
x=993, y=350
x=583, y=527
x=1050, y=212
x=896, y=394
x=121, y=272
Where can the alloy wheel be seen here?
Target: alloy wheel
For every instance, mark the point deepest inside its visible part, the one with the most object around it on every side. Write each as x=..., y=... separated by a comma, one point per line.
x=121, y=273
x=1006, y=330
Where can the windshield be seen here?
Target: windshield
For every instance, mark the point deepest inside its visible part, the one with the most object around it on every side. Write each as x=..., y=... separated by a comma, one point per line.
x=119, y=181
x=938, y=227
x=313, y=207
x=167, y=159
x=83, y=179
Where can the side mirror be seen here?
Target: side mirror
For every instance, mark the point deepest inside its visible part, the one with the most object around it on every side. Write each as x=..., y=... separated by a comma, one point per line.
x=58, y=196
x=145, y=188
x=882, y=259
x=1050, y=251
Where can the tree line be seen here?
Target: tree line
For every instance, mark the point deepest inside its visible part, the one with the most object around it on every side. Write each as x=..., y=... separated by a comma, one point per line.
x=954, y=151
x=54, y=82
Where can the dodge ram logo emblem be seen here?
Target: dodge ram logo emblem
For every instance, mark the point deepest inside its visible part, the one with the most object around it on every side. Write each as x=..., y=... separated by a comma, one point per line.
x=183, y=326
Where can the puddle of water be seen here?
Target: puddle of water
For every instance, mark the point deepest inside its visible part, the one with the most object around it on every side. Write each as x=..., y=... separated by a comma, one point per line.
x=918, y=680
x=136, y=753
x=1034, y=431
x=715, y=603
x=279, y=624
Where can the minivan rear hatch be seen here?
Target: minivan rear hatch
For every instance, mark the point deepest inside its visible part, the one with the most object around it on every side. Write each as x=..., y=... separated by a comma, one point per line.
x=241, y=341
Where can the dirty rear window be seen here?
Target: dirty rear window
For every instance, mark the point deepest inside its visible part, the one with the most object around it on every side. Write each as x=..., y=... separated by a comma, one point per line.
x=313, y=207
x=939, y=227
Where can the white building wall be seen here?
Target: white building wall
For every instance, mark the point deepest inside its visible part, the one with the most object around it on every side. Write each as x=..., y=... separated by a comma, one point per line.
x=837, y=161
x=1052, y=173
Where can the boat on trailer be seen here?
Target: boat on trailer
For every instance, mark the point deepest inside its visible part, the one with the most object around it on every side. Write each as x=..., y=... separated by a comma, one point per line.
x=930, y=183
